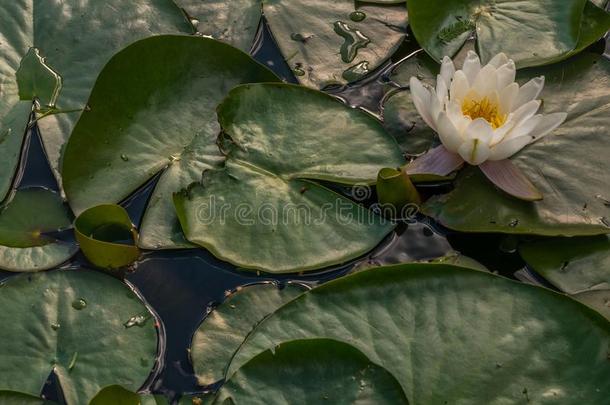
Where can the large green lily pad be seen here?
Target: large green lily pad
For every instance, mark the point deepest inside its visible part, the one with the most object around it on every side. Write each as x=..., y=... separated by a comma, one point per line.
x=311, y=372
x=481, y=337
x=145, y=121
x=17, y=398
x=262, y=211
x=14, y=112
x=335, y=42
x=570, y=166
x=532, y=32
x=571, y=264
x=234, y=22
x=223, y=330
x=76, y=38
x=88, y=328
x=25, y=224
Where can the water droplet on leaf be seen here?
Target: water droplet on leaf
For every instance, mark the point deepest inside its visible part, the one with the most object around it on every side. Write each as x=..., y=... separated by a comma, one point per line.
x=137, y=320
x=79, y=304
x=353, y=40
x=357, y=16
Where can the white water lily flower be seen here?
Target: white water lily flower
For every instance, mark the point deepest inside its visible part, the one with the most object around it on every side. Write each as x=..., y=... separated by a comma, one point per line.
x=483, y=117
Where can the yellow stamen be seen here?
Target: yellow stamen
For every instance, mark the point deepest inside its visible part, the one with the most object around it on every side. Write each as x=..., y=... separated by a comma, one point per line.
x=484, y=108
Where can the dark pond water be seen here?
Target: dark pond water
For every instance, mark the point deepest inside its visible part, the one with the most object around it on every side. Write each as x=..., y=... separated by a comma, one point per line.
x=183, y=286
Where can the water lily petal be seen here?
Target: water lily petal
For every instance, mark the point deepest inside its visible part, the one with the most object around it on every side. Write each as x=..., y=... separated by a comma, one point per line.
x=508, y=96
x=448, y=133
x=459, y=86
x=524, y=112
x=471, y=66
x=509, y=178
x=507, y=148
x=441, y=88
x=547, y=124
x=479, y=129
x=435, y=107
x=421, y=98
x=529, y=91
x=437, y=161
x=474, y=151
x=499, y=60
x=524, y=127
x=506, y=74
x=447, y=70
x=459, y=120
x=486, y=81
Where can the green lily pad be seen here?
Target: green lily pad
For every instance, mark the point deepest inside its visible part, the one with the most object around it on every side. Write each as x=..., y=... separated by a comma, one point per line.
x=400, y=118
x=532, y=32
x=599, y=300
x=88, y=328
x=107, y=237
x=481, y=337
x=76, y=39
x=262, y=211
x=223, y=330
x=17, y=398
x=117, y=395
x=311, y=372
x=36, y=80
x=571, y=264
x=234, y=22
x=25, y=223
x=335, y=42
x=14, y=112
x=142, y=122
x=569, y=166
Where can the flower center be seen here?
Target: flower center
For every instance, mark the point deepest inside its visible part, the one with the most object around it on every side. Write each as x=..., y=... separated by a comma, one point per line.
x=484, y=108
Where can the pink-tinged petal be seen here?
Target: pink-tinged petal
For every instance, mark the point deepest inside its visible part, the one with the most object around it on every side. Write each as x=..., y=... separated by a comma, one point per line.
x=421, y=98
x=459, y=86
x=508, y=95
x=510, y=179
x=529, y=91
x=448, y=133
x=437, y=161
x=506, y=74
x=507, y=148
x=486, y=81
x=474, y=151
x=479, y=129
x=447, y=70
x=547, y=124
x=471, y=66
x=499, y=60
